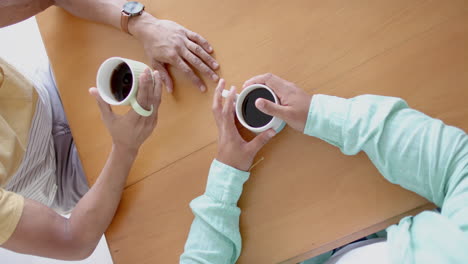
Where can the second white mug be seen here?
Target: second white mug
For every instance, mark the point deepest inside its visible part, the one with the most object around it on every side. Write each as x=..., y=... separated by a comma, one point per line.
x=275, y=123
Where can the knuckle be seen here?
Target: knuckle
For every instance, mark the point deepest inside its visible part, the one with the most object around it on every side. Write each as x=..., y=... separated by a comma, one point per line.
x=195, y=79
x=196, y=36
x=172, y=55
x=196, y=60
x=225, y=111
x=159, y=79
x=181, y=31
x=186, y=70
x=174, y=38
x=179, y=47
x=158, y=100
x=180, y=43
x=198, y=49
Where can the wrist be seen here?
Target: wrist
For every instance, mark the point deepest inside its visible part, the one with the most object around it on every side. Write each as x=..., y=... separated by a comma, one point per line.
x=305, y=112
x=125, y=151
x=137, y=25
x=236, y=164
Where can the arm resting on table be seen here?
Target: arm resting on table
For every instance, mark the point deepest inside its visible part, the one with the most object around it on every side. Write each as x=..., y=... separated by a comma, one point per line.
x=214, y=237
x=101, y=11
x=43, y=232
x=413, y=150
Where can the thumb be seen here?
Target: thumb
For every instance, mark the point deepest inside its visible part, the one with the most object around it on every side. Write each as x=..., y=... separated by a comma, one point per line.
x=259, y=141
x=103, y=106
x=270, y=108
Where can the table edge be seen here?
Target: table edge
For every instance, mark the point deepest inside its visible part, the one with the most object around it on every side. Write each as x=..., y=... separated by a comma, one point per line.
x=356, y=235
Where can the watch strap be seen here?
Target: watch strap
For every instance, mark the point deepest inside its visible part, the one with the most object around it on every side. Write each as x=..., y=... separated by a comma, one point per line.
x=124, y=17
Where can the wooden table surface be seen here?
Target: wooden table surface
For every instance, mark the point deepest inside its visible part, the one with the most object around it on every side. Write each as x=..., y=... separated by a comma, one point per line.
x=306, y=197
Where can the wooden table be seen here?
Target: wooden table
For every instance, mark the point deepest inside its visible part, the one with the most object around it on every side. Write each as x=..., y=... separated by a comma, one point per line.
x=306, y=197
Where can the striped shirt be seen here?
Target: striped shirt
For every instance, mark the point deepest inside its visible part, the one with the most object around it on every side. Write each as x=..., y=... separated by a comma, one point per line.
x=35, y=178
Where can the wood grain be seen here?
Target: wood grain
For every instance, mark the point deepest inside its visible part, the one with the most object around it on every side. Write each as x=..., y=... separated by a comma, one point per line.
x=285, y=212
x=306, y=197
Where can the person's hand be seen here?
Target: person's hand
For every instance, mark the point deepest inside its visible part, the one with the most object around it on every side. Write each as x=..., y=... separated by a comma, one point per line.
x=129, y=131
x=233, y=150
x=295, y=102
x=166, y=42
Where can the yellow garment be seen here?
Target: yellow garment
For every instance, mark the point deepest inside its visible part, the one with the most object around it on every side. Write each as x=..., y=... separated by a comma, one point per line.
x=18, y=100
x=11, y=208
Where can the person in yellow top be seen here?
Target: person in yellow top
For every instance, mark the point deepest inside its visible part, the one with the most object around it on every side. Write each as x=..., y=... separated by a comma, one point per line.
x=40, y=171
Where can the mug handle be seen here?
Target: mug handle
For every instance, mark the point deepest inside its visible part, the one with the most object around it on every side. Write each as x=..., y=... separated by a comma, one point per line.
x=140, y=110
x=225, y=94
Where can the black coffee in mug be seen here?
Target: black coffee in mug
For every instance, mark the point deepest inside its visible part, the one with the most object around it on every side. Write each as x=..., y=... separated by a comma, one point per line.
x=121, y=81
x=252, y=116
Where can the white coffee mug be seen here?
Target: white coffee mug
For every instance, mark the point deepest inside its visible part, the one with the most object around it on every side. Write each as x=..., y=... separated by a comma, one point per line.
x=103, y=81
x=275, y=123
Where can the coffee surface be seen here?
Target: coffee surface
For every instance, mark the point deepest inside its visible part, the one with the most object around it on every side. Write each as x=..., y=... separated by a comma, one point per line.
x=252, y=116
x=121, y=81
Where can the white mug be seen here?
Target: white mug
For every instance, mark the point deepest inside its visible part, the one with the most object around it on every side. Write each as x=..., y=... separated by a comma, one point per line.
x=275, y=123
x=103, y=81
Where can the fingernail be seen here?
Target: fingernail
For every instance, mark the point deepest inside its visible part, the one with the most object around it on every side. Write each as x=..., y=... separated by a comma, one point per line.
x=203, y=88
x=232, y=88
x=214, y=77
x=210, y=48
x=271, y=133
x=259, y=103
x=147, y=74
x=215, y=65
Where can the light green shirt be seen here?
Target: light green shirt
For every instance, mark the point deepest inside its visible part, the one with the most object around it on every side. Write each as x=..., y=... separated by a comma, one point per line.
x=419, y=153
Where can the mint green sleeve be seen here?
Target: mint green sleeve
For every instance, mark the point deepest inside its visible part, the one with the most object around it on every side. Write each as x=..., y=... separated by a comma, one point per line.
x=413, y=150
x=214, y=237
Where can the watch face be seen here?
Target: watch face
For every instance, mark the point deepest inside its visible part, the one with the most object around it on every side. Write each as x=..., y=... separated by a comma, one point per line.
x=133, y=8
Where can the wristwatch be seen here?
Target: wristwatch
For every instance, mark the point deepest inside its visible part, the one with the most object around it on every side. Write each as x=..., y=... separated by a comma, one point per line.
x=129, y=10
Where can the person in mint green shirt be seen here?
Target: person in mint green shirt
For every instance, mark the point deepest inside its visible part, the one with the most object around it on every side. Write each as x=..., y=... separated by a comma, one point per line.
x=409, y=148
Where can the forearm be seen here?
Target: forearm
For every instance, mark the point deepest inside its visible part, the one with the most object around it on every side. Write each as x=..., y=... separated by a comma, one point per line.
x=43, y=232
x=102, y=11
x=95, y=210
x=214, y=236
x=14, y=11
x=409, y=148
x=418, y=152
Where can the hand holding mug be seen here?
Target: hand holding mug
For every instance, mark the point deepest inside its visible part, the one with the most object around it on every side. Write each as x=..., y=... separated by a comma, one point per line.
x=248, y=114
x=295, y=102
x=129, y=131
x=233, y=150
